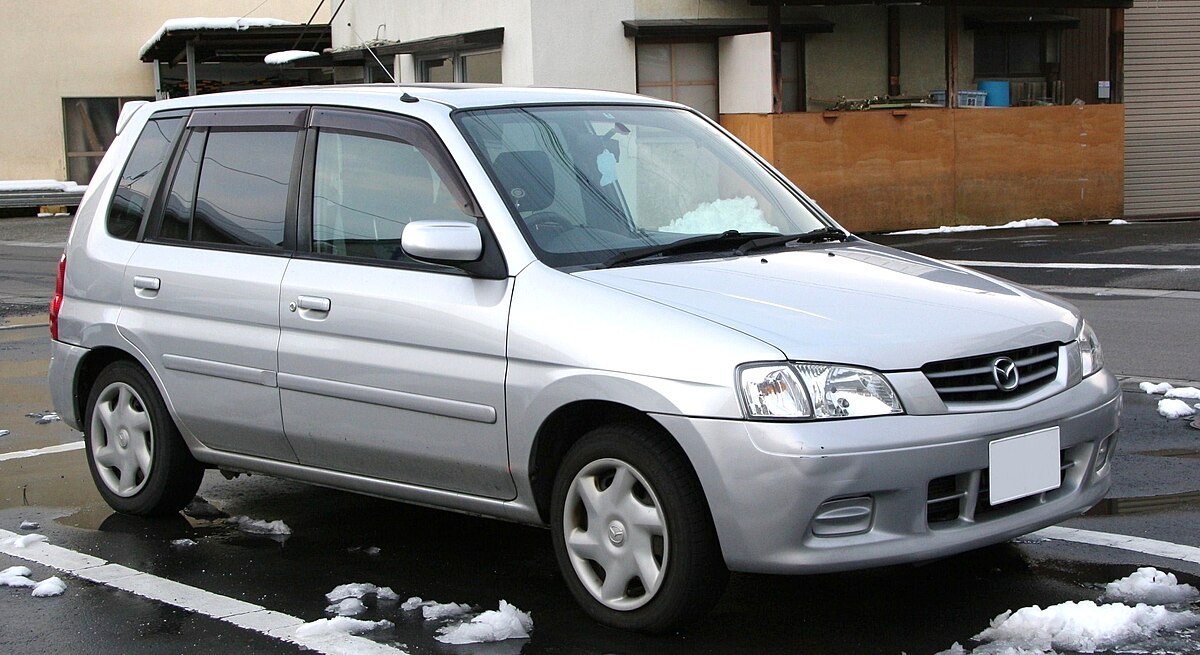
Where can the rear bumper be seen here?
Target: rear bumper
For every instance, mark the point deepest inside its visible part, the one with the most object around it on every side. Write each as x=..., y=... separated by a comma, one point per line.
x=770, y=485
x=64, y=367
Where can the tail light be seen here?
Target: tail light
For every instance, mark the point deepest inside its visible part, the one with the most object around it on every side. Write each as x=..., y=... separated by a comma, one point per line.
x=56, y=303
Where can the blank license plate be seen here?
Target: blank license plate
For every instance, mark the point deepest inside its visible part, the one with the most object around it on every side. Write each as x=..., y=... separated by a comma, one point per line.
x=1023, y=465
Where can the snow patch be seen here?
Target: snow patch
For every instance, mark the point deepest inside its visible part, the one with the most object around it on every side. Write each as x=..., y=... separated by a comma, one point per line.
x=507, y=622
x=347, y=607
x=30, y=525
x=16, y=576
x=1083, y=626
x=4, y=433
x=741, y=214
x=945, y=229
x=1156, y=387
x=287, y=56
x=1118, y=221
x=183, y=543
x=1151, y=586
x=206, y=23
x=414, y=603
x=1185, y=393
x=432, y=611
x=340, y=625
x=42, y=418
x=360, y=589
x=1174, y=408
x=49, y=587
x=255, y=526
x=369, y=550
x=24, y=541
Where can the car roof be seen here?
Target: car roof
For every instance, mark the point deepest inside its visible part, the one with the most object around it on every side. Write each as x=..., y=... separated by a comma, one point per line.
x=455, y=96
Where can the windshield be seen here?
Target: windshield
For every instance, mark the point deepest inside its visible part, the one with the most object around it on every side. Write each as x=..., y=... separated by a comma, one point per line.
x=588, y=184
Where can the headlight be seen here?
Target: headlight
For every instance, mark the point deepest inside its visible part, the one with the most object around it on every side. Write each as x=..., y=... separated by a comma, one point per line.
x=1090, y=357
x=807, y=390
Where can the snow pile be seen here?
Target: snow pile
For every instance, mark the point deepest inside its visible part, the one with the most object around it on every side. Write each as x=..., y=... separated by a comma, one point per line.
x=414, y=603
x=42, y=418
x=360, y=589
x=183, y=543
x=4, y=433
x=1174, y=408
x=30, y=525
x=1184, y=393
x=1149, y=585
x=255, y=526
x=206, y=23
x=19, y=186
x=1118, y=221
x=347, y=607
x=945, y=229
x=1158, y=388
x=49, y=587
x=741, y=214
x=1084, y=626
x=18, y=576
x=340, y=625
x=23, y=541
x=431, y=611
x=507, y=622
x=287, y=56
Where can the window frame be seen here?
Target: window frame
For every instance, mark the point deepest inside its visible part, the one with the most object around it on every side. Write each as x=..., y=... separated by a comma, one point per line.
x=456, y=58
x=69, y=154
x=148, y=212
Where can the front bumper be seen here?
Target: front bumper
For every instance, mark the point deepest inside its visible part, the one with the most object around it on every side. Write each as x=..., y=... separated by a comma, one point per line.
x=767, y=483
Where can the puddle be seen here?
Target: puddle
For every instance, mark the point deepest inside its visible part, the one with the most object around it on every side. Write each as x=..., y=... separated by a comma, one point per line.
x=1143, y=504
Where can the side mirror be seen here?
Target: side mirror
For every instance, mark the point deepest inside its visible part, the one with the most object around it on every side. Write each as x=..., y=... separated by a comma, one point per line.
x=451, y=243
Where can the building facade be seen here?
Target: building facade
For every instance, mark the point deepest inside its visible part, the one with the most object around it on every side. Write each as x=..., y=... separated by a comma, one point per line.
x=61, y=106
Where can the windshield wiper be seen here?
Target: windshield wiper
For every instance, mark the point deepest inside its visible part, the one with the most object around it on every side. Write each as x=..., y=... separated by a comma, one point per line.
x=703, y=243
x=815, y=236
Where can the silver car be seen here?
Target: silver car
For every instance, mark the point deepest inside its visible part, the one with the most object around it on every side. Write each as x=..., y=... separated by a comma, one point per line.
x=590, y=311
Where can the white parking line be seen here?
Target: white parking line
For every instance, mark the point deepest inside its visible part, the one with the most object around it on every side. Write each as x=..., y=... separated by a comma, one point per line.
x=222, y=608
x=34, y=244
x=1117, y=291
x=61, y=448
x=1076, y=265
x=1123, y=542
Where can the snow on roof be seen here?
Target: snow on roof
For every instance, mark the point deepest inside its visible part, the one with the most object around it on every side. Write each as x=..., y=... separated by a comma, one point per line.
x=209, y=23
x=286, y=56
x=40, y=185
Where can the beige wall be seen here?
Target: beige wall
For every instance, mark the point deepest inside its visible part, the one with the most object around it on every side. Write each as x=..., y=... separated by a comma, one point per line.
x=55, y=49
x=851, y=61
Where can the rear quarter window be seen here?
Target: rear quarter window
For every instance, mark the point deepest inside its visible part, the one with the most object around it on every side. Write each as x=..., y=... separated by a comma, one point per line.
x=140, y=177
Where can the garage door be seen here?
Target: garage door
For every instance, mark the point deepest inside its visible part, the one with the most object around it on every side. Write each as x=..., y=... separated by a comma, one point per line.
x=1162, y=108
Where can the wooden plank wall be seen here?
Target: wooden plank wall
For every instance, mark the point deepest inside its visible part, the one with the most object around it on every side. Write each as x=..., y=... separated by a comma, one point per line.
x=881, y=170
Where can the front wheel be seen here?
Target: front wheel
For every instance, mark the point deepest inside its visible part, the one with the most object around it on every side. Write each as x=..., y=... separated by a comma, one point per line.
x=632, y=532
x=137, y=457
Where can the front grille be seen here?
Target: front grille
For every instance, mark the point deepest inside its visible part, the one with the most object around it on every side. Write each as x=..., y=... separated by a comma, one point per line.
x=970, y=379
x=965, y=496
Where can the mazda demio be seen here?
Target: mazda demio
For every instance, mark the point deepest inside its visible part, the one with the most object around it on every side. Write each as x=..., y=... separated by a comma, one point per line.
x=591, y=311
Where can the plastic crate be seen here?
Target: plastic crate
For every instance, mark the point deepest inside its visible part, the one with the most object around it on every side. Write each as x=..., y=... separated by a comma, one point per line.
x=965, y=98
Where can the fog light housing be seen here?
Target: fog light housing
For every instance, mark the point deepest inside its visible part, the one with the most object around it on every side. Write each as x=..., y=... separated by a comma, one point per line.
x=844, y=517
x=1103, y=453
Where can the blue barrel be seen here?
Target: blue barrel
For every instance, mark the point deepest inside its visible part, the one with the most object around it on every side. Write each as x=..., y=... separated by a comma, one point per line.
x=997, y=92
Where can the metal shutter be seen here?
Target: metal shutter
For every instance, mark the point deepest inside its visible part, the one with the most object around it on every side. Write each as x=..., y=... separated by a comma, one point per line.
x=1162, y=108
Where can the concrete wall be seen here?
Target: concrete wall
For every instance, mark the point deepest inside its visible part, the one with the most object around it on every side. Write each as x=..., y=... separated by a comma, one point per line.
x=583, y=44
x=56, y=49
x=745, y=73
x=885, y=170
x=851, y=61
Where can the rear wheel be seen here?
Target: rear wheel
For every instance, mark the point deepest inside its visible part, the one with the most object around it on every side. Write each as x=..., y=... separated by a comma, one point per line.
x=632, y=532
x=137, y=457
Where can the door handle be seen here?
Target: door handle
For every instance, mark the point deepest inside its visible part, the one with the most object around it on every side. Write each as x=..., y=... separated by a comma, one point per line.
x=146, y=283
x=313, y=303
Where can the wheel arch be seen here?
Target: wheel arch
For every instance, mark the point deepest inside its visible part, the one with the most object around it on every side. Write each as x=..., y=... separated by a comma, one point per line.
x=90, y=367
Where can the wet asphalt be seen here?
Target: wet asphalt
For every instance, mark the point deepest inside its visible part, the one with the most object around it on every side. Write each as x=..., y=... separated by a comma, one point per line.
x=449, y=557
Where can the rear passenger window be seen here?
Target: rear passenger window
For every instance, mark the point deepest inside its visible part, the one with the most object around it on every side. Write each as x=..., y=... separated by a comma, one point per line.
x=242, y=193
x=140, y=177
x=367, y=188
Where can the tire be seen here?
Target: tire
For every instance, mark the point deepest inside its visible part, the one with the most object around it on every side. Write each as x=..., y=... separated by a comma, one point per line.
x=138, y=459
x=627, y=510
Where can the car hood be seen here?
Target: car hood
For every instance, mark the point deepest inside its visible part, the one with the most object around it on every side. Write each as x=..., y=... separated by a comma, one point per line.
x=853, y=303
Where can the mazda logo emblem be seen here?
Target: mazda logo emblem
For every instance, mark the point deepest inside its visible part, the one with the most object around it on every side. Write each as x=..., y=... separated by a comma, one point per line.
x=1004, y=374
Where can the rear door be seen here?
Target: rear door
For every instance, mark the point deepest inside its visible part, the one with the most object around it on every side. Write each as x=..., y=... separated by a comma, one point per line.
x=388, y=367
x=201, y=292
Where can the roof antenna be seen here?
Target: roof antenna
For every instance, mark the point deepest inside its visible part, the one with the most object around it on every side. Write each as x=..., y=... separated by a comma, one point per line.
x=373, y=55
